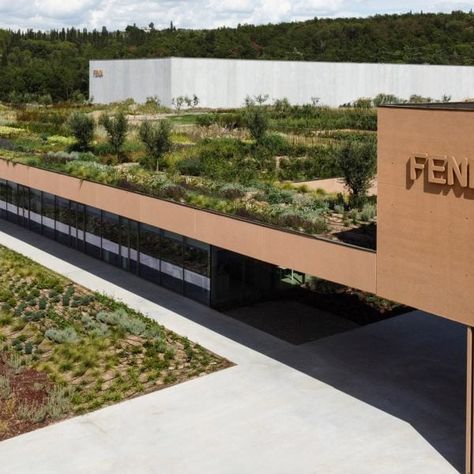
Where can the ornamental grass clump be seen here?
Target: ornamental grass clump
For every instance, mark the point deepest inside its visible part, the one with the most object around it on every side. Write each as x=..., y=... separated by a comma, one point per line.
x=5, y=387
x=58, y=402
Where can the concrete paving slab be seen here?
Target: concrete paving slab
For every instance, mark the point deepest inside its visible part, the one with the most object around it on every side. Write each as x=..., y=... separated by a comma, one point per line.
x=384, y=398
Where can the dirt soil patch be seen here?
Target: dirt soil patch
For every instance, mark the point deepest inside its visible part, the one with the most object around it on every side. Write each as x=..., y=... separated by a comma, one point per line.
x=20, y=392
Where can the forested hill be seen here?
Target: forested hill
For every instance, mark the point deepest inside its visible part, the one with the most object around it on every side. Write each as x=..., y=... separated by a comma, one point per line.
x=55, y=63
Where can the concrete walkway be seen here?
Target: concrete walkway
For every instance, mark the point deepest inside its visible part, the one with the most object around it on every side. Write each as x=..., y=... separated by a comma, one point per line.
x=386, y=398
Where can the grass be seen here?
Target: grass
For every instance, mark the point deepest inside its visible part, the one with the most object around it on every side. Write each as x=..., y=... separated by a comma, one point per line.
x=185, y=119
x=76, y=357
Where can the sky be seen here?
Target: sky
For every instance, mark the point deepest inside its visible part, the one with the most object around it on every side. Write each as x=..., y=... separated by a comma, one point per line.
x=117, y=14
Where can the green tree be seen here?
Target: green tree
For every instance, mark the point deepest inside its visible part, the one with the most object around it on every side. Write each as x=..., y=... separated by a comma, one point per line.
x=357, y=161
x=116, y=127
x=256, y=120
x=157, y=140
x=82, y=127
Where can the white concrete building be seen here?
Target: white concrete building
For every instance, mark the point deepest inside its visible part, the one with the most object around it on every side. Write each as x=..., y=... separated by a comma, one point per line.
x=225, y=83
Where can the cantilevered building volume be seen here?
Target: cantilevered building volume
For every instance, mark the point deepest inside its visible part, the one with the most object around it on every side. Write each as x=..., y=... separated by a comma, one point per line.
x=225, y=83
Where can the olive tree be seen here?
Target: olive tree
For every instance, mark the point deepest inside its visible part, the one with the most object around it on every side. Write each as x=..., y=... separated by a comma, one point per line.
x=116, y=127
x=157, y=141
x=256, y=120
x=357, y=161
x=82, y=126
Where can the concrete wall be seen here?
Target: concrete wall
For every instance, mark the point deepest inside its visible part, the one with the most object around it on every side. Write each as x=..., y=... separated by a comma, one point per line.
x=226, y=82
x=124, y=79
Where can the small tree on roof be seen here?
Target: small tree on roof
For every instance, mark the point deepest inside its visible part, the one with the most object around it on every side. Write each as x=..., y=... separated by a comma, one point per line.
x=82, y=127
x=157, y=141
x=116, y=127
x=357, y=161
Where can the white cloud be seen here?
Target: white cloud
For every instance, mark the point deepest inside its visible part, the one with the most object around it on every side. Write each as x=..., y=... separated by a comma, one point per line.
x=44, y=14
x=57, y=9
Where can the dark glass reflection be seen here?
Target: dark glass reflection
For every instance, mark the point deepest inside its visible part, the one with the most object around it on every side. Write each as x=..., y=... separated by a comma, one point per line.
x=49, y=215
x=93, y=236
x=110, y=238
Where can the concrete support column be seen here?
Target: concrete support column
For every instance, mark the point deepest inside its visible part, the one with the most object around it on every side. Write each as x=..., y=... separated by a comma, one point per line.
x=469, y=402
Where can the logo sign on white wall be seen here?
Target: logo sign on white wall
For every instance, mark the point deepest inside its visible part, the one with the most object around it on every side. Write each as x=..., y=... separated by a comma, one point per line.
x=98, y=73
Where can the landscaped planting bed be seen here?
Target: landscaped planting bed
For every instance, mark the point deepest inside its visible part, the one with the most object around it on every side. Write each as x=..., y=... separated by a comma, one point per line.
x=67, y=351
x=214, y=163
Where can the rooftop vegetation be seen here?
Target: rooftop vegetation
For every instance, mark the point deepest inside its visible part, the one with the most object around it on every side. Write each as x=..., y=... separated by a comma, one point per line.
x=65, y=350
x=240, y=163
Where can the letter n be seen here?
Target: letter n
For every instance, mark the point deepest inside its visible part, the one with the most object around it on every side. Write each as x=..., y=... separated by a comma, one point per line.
x=459, y=170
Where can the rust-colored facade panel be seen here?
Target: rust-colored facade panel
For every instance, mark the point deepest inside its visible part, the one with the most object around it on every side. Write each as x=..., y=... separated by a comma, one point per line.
x=332, y=261
x=425, y=252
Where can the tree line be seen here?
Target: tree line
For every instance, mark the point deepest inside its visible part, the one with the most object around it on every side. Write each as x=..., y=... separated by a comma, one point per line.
x=53, y=65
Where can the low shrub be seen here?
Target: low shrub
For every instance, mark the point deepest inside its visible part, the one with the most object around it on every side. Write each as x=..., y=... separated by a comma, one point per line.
x=60, y=157
x=33, y=412
x=57, y=404
x=230, y=121
x=60, y=140
x=368, y=212
x=122, y=319
x=96, y=328
x=233, y=191
x=61, y=336
x=191, y=166
x=28, y=348
x=303, y=220
x=10, y=132
x=318, y=162
x=275, y=195
x=206, y=120
x=275, y=144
